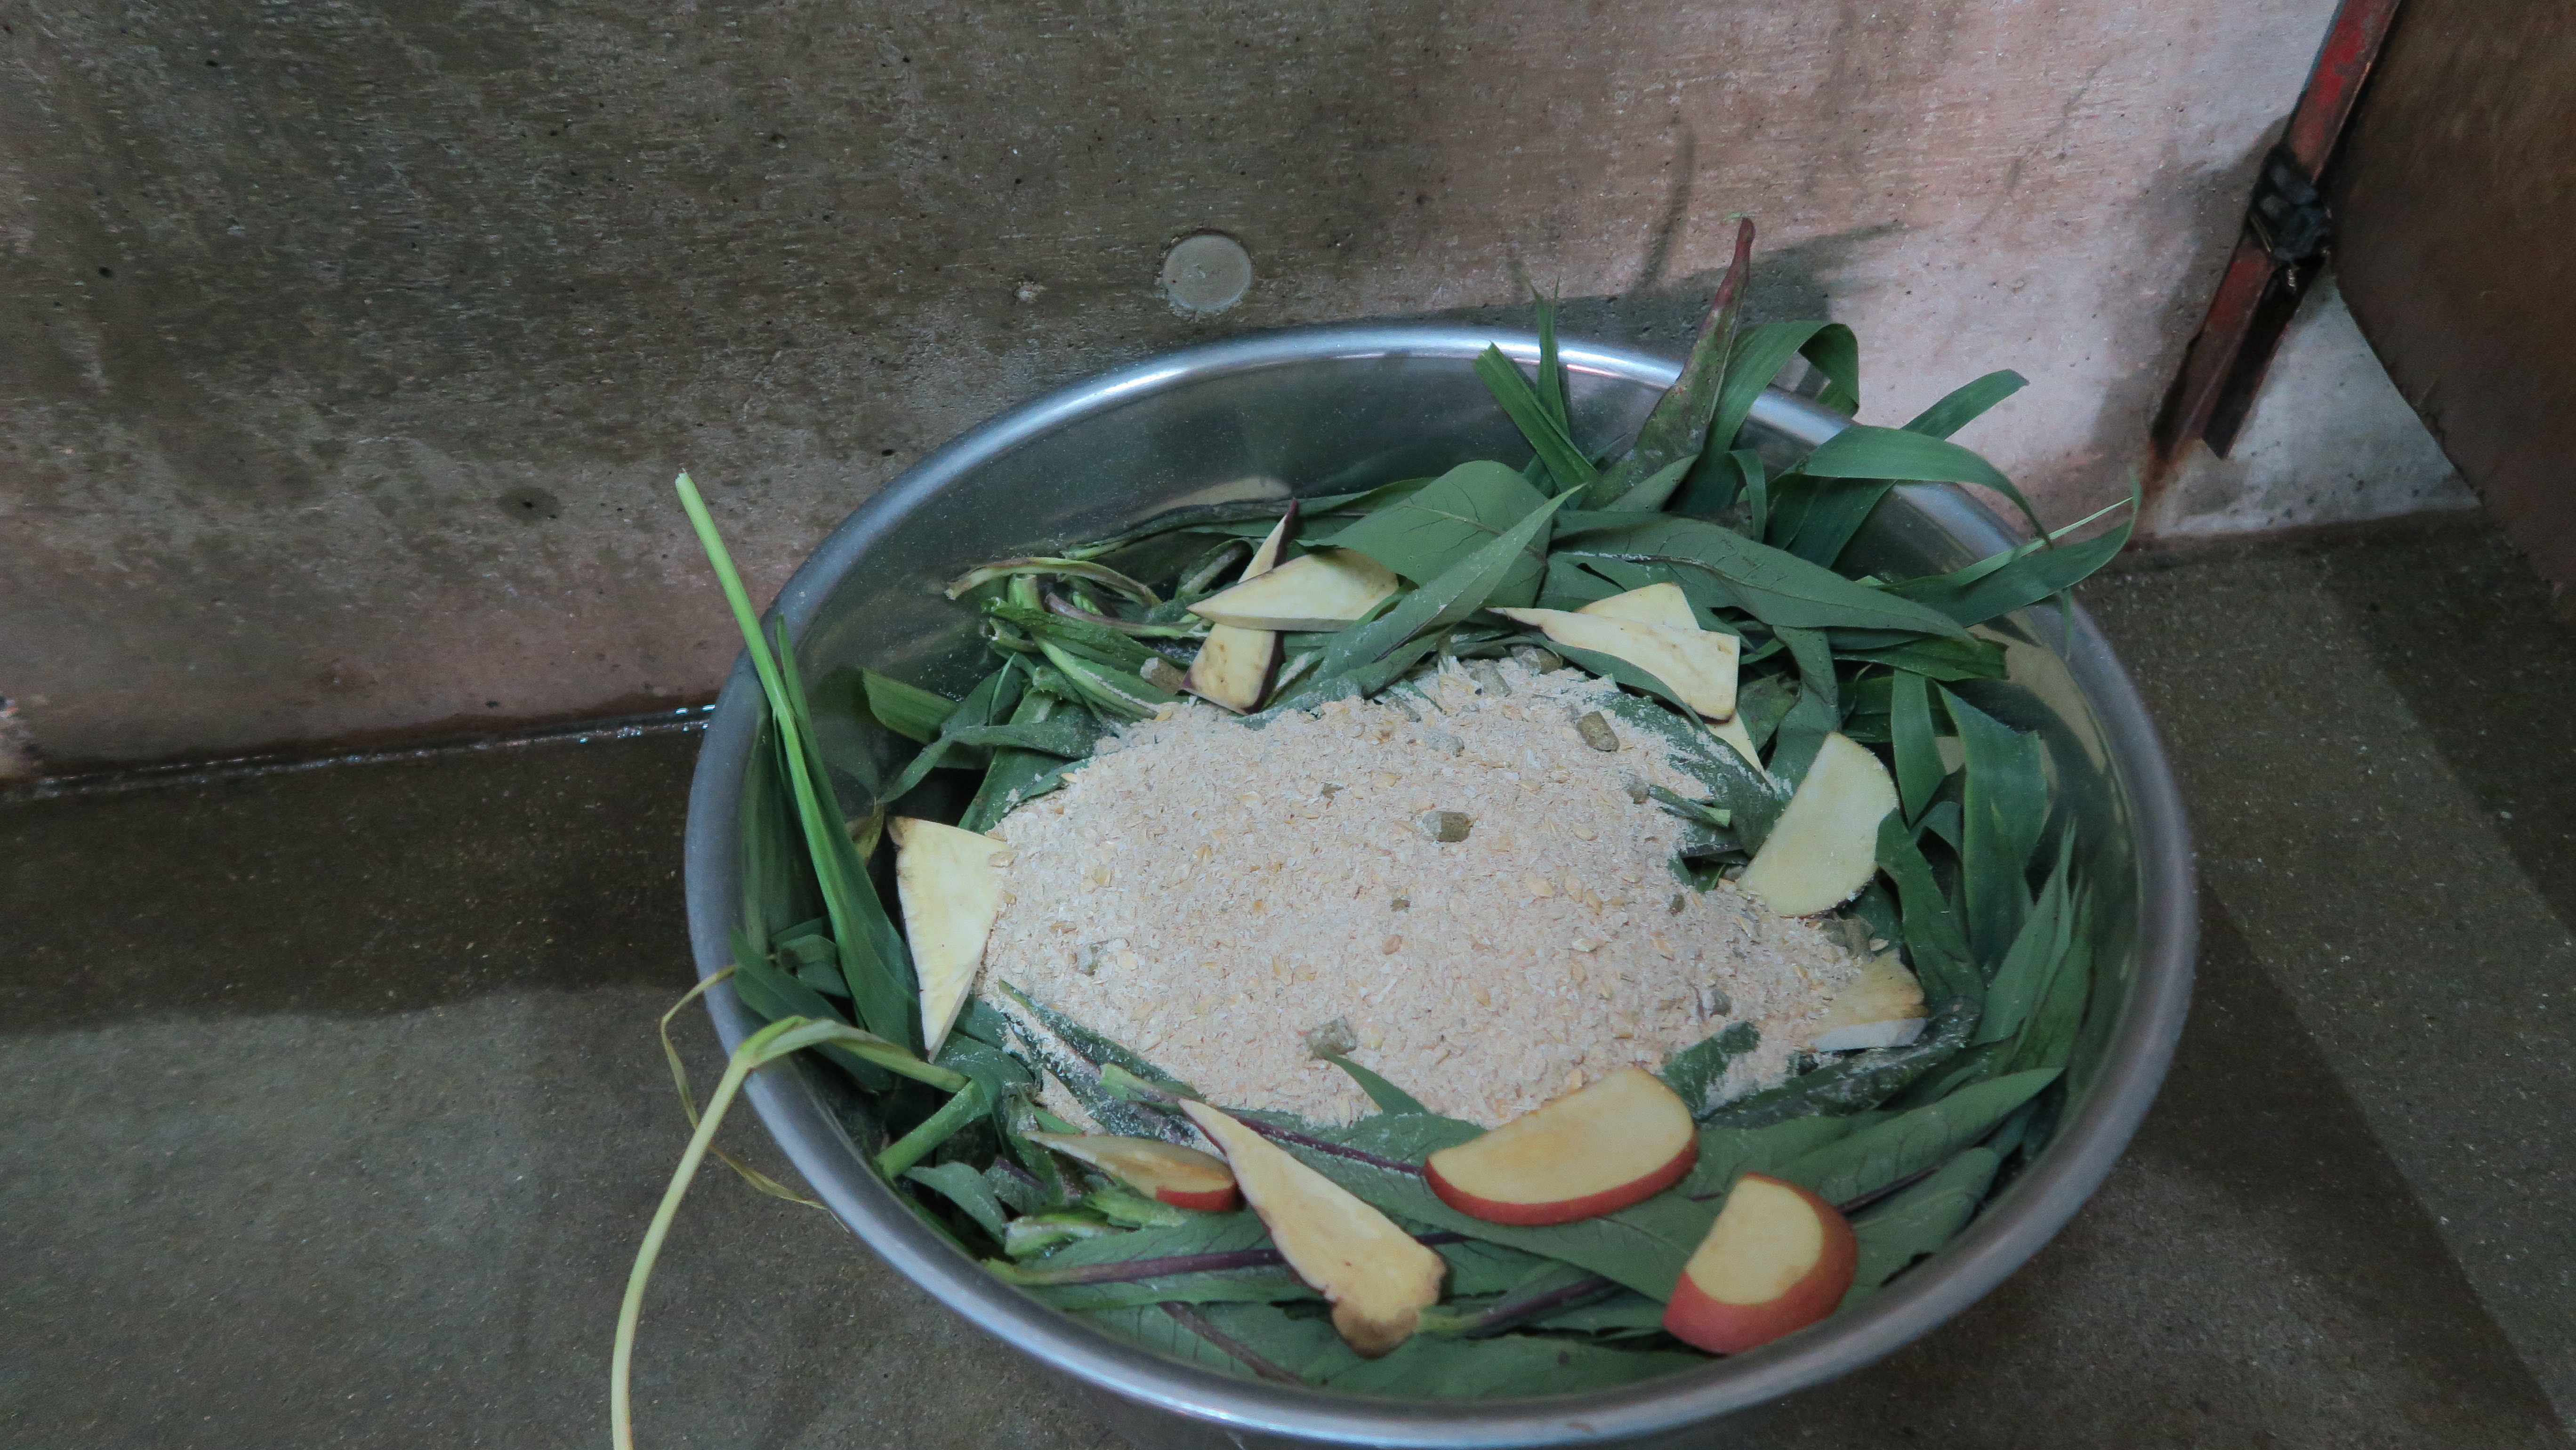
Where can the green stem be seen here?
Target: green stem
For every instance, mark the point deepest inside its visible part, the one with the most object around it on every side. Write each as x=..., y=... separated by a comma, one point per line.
x=936, y=1129
x=779, y=1039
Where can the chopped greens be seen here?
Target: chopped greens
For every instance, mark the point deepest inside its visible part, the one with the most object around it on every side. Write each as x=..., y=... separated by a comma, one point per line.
x=1910, y=1139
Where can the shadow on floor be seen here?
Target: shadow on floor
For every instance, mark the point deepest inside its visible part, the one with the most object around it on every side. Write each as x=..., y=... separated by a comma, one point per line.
x=370, y=889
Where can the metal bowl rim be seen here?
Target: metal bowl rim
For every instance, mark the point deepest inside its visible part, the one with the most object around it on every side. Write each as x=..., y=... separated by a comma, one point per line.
x=2005, y=1236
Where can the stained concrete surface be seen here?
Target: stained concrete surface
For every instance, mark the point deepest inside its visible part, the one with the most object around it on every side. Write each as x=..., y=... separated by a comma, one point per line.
x=294, y=1163
x=372, y=333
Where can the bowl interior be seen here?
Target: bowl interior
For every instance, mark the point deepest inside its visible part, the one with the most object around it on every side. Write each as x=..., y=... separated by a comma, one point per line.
x=1337, y=409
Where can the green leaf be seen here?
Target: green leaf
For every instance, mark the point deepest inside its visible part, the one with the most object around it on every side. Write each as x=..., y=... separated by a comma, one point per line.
x=1545, y=434
x=2048, y=1038
x=1678, y=429
x=1919, y=1220
x=1817, y=712
x=1762, y=350
x=1919, y=770
x=1694, y=1072
x=1642, y=1247
x=1938, y=659
x=1656, y=489
x=965, y=1187
x=1854, y=1081
x=1965, y=403
x=1934, y=940
x=1778, y=588
x=1477, y=1267
x=907, y=710
x=1019, y=774
x=1904, y=456
x=1508, y=1365
x=1726, y=1154
x=874, y=959
x=2006, y=806
x=1752, y=802
x=1886, y=1152
x=1388, y=1097
x=1432, y=531
x=2024, y=974
x=1276, y=1342
x=1092, y=641
x=2019, y=577
x=1551, y=371
x=1459, y=591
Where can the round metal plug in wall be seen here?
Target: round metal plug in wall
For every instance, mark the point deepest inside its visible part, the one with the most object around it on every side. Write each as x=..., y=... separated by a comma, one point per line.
x=1205, y=274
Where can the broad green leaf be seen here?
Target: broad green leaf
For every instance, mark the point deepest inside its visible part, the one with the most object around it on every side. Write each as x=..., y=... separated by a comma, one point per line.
x=1252, y=1340
x=1919, y=1220
x=1270, y=1285
x=1459, y=591
x=1477, y=1267
x=2006, y=806
x=1551, y=371
x=2024, y=974
x=1762, y=350
x=1693, y=1073
x=1885, y=1152
x=1388, y=1097
x=2048, y=1038
x=1778, y=588
x=1503, y=379
x=965, y=1187
x=1854, y=1081
x=1817, y=711
x=1901, y=455
x=1934, y=939
x=1726, y=1154
x=1431, y=531
x=874, y=959
x=907, y=710
x=2019, y=577
x=1678, y=429
x=1919, y=770
x=1508, y=1365
x=1965, y=403
x=1948, y=660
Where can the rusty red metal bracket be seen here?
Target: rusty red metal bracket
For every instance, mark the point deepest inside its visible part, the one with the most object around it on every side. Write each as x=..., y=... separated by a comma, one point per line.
x=2278, y=253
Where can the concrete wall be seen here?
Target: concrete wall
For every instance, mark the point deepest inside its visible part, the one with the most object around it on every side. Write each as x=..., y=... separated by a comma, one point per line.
x=348, y=347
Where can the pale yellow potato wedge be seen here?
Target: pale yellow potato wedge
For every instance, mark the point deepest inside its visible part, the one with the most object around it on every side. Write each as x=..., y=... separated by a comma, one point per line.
x=951, y=893
x=1882, y=1009
x=1323, y=590
x=1699, y=664
x=1375, y=1276
x=1825, y=845
x=1663, y=604
x=1233, y=665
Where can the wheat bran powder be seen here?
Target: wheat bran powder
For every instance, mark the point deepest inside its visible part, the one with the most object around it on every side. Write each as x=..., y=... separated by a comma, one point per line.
x=1209, y=894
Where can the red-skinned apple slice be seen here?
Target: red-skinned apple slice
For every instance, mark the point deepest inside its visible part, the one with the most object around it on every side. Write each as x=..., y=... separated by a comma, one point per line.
x=1181, y=1177
x=1323, y=590
x=1698, y=664
x=951, y=894
x=1599, y=1149
x=1778, y=1259
x=1824, y=847
x=1234, y=665
x=1375, y=1276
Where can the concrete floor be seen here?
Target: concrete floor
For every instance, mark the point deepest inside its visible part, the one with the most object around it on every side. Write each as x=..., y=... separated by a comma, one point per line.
x=333, y=1110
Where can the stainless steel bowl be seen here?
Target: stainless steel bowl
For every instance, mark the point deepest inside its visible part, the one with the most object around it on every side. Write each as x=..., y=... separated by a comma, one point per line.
x=1334, y=408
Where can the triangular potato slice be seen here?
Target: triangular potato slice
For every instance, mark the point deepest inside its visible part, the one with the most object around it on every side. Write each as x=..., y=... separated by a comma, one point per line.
x=1323, y=590
x=1733, y=731
x=1882, y=1009
x=1375, y=1276
x=1824, y=847
x=1699, y=664
x=1234, y=664
x=951, y=894
x=1663, y=604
